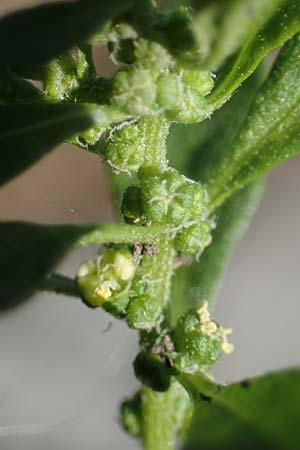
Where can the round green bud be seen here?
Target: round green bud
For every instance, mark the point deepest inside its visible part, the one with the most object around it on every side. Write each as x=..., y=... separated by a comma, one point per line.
x=199, y=81
x=152, y=54
x=193, y=197
x=144, y=312
x=131, y=207
x=130, y=413
x=169, y=91
x=192, y=240
x=171, y=198
x=124, y=148
x=196, y=346
x=192, y=108
x=107, y=279
x=152, y=371
x=134, y=91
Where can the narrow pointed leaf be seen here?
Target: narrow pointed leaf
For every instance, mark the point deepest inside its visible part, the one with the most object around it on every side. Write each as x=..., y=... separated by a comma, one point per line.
x=259, y=413
x=271, y=132
x=30, y=251
x=283, y=25
x=36, y=35
x=238, y=20
x=29, y=131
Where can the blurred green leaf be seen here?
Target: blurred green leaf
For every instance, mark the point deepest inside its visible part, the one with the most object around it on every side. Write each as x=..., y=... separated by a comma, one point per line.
x=36, y=35
x=28, y=253
x=269, y=135
x=201, y=280
x=29, y=131
x=235, y=22
x=260, y=413
x=283, y=25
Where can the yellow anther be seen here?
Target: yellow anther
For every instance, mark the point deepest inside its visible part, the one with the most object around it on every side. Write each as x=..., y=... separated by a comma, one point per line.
x=104, y=292
x=203, y=312
x=224, y=332
x=208, y=328
x=227, y=347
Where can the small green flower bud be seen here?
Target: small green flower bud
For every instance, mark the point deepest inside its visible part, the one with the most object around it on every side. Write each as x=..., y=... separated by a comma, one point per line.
x=191, y=108
x=134, y=91
x=131, y=207
x=197, y=342
x=124, y=148
x=171, y=198
x=169, y=91
x=198, y=80
x=152, y=55
x=194, y=239
x=107, y=279
x=144, y=312
x=131, y=415
x=152, y=371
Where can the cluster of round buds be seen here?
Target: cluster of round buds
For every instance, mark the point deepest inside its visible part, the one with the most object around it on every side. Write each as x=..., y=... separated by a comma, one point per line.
x=172, y=198
x=180, y=92
x=124, y=147
x=193, y=239
x=199, y=341
x=106, y=280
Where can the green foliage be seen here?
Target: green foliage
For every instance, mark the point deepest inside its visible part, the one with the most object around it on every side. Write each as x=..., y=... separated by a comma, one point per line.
x=37, y=35
x=28, y=253
x=29, y=131
x=256, y=413
x=160, y=270
x=269, y=135
x=281, y=26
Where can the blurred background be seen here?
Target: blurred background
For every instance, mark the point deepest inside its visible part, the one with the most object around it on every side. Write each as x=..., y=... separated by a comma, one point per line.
x=65, y=368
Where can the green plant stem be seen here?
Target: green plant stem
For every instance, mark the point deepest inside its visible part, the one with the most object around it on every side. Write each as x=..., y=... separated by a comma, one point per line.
x=60, y=284
x=155, y=131
x=106, y=233
x=158, y=423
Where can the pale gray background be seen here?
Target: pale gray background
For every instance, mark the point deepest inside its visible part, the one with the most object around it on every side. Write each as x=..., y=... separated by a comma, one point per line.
x=62, y=376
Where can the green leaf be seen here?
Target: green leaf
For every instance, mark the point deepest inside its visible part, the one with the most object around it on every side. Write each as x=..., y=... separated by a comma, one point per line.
x=238, y=20
x=36, y=35
x=29, y=131
x=283, y=25
x=30, y=251
x=260, y=413
x=201, y=280
x=271, y=132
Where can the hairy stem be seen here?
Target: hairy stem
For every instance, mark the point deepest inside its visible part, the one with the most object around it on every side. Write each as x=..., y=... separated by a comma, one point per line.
x=158, y=423
x=122, y=234
x=60, y=284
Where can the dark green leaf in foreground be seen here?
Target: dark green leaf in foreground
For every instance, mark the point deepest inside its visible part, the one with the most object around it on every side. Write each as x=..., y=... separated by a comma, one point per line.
x=29, y=131
x=284, y=24
x=28, y=253
x=36, y=35
x=269, y=135
x=262, y=413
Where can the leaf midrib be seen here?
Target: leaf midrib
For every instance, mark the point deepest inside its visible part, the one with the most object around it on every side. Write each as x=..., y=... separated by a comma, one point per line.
x=46, y=123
